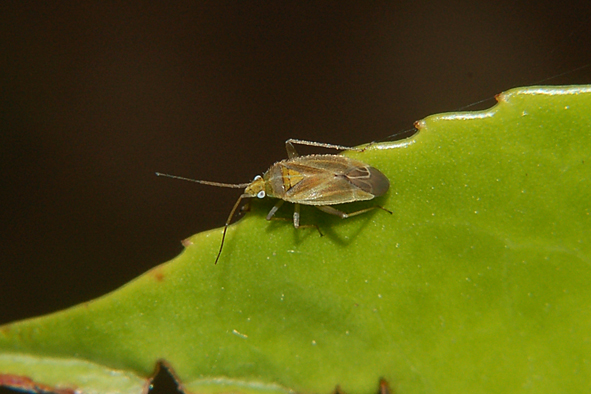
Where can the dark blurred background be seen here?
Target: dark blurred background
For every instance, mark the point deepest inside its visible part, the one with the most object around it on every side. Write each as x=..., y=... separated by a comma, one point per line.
x=97, y=96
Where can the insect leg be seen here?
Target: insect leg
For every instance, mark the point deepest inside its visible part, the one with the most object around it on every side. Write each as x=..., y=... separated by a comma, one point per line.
x=274, y=209
x=296, y=216
x=344, y=215
x=296, y=220
x=291, y=152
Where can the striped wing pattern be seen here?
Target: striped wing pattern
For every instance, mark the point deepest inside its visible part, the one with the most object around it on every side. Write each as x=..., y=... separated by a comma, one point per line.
x=330, y=179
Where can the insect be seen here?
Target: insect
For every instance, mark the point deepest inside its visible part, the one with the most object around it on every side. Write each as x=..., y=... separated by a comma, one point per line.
x=318, y=180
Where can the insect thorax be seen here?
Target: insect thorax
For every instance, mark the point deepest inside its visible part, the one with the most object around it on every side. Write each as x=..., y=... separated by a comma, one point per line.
x=276, y=183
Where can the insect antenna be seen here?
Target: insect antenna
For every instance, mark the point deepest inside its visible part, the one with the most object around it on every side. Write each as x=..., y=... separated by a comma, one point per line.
x=218, y=184
x=228, y=221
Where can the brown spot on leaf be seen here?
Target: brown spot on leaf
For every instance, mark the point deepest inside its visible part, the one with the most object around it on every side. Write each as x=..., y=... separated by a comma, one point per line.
x=420, y=125
x=27, y=384
x=157, y=273
x=337, y=390
x=384, y=387
x=187, y=242
x=501, y=97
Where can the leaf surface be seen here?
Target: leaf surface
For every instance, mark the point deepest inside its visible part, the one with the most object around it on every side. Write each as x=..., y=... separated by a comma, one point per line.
x=478, y=282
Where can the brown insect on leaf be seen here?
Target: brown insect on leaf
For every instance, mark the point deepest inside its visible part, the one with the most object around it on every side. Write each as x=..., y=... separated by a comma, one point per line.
x=318, y=180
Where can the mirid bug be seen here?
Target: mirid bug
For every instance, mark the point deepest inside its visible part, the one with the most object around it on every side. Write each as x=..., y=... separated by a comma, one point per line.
x=318, y=180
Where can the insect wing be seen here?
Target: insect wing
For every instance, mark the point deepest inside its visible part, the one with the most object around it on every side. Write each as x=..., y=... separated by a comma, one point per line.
x=323, y=180
x=369, y=179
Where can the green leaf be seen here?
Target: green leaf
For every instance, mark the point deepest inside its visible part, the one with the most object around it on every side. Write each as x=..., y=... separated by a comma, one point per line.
x=478, y=282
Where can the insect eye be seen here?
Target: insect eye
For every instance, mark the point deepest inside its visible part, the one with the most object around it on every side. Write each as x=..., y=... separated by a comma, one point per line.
x=256, y=178
x=261, y=194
